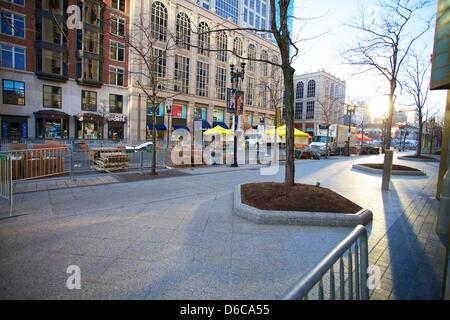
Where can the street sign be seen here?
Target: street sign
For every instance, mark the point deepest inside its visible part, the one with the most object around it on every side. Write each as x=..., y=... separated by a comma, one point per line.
x=440, y=71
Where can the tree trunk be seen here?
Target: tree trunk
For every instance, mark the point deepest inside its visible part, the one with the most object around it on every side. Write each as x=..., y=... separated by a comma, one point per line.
x=154, y=142
x=288, y=73
x=387, y=167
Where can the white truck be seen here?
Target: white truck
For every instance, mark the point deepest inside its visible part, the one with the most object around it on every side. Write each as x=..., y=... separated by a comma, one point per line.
x=337, y=138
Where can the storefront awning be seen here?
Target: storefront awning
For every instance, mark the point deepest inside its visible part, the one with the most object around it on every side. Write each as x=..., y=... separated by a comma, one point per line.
x=159, y=126
x=205, y=125
x=175, y=127
x=220, y=123
x=51, y=114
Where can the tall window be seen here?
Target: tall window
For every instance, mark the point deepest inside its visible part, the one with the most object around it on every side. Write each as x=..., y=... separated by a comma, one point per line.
x=203, y=38
x=159, y=57
x=311, y=89
x=12, y=57
x=115, y=103
x=91, y=41
x=91, y=13
x=237, y=46
x=118, y=4
x=12, y=24
x=118, y=26
x=310, y=110
x=299, y=90
x=52, y=62
x=298, y=110
x=263, y=95
x=222, y=46
x=51, y=31
x=91, y=69
x=183, y=31
x=250, y=91
x=88, y=100
x=14, y=92
x=53, y=6
x=332, y=90
x=159, y=21
x=202, y=79
x=117, y=51
x=52, y=97
x=181, y=74
x=221, y=81
x=265, y=69
x=251, y=57
x=116, y=76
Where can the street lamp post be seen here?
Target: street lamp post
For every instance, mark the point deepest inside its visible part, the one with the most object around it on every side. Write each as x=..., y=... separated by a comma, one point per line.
x=235, y=76
x=168, y=111
x=350, y=110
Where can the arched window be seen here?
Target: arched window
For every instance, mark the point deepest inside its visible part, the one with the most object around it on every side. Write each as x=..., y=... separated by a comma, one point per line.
x=183, y=31
x=237, y=47
x=222, y=46
x=299, y=90
x=203, y=38
x=311, y=89
x=264, y=56
x=251, y=57
x=159, y=21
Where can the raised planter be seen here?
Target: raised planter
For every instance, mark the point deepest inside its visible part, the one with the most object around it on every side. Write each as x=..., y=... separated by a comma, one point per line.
x=430, y=159
x=394, y=172
x=256, y=215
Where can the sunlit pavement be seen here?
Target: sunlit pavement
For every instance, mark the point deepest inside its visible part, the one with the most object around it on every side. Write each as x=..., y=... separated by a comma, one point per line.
x=177, y=237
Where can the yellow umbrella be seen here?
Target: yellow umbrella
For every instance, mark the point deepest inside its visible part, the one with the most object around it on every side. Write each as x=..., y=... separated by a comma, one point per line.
x=217, y=130
x=281, y=131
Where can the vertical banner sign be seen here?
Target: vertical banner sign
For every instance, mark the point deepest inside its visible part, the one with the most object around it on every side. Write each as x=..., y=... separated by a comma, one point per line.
x=440, y=72
x=231, y=100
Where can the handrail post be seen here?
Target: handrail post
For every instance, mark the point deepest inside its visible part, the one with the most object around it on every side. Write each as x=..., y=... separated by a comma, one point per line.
x=364, y=265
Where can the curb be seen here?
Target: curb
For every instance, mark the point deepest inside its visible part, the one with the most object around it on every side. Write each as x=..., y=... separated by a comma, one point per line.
x=417, y=159
x=304, y=218
x=394, y=172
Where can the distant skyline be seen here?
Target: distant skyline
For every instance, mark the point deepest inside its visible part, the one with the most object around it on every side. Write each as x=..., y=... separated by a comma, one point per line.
x=323, y=52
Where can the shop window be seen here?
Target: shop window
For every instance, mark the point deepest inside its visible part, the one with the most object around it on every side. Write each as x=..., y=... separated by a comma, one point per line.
x=179, y=111
x=115, y=131
x=52, y=128
x=200, y=114
x=12, y=57
x=159, y=110
x=115, y=103
x=52, y=97
x=14, y=92
x=88, y=100
x=219, y=115
x=90, y=130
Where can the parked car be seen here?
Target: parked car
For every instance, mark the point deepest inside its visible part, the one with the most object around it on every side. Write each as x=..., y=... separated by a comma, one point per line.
x=146, y=146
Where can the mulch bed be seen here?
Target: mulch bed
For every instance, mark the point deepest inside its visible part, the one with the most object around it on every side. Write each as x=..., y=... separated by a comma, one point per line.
x=300, y=197
x=394, y=166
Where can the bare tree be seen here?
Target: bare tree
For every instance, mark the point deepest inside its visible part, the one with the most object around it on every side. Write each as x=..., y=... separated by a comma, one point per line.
x=275, y=90
x=150, y=45
x=385, y=40
x=328, y=107
x=417, y=87
x=362, y=117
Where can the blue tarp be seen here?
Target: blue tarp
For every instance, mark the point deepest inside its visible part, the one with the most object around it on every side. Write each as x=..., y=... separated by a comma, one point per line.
x=175, y=127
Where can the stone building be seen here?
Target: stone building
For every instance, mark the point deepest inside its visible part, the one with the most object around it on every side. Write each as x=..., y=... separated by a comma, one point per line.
x=316, y=93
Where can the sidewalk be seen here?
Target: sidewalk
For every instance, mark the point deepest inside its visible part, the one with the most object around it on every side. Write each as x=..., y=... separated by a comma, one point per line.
x=410, y=254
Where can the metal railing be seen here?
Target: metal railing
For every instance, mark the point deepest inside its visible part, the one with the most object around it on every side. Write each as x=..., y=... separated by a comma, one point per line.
x=343, y=270
x=6, y=180
x=62, y=161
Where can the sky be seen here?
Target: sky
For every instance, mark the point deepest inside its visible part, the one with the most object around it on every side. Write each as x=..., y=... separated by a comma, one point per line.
x=330, y=17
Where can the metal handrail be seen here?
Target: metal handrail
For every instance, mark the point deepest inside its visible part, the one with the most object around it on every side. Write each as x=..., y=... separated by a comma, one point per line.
x=315, y=275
